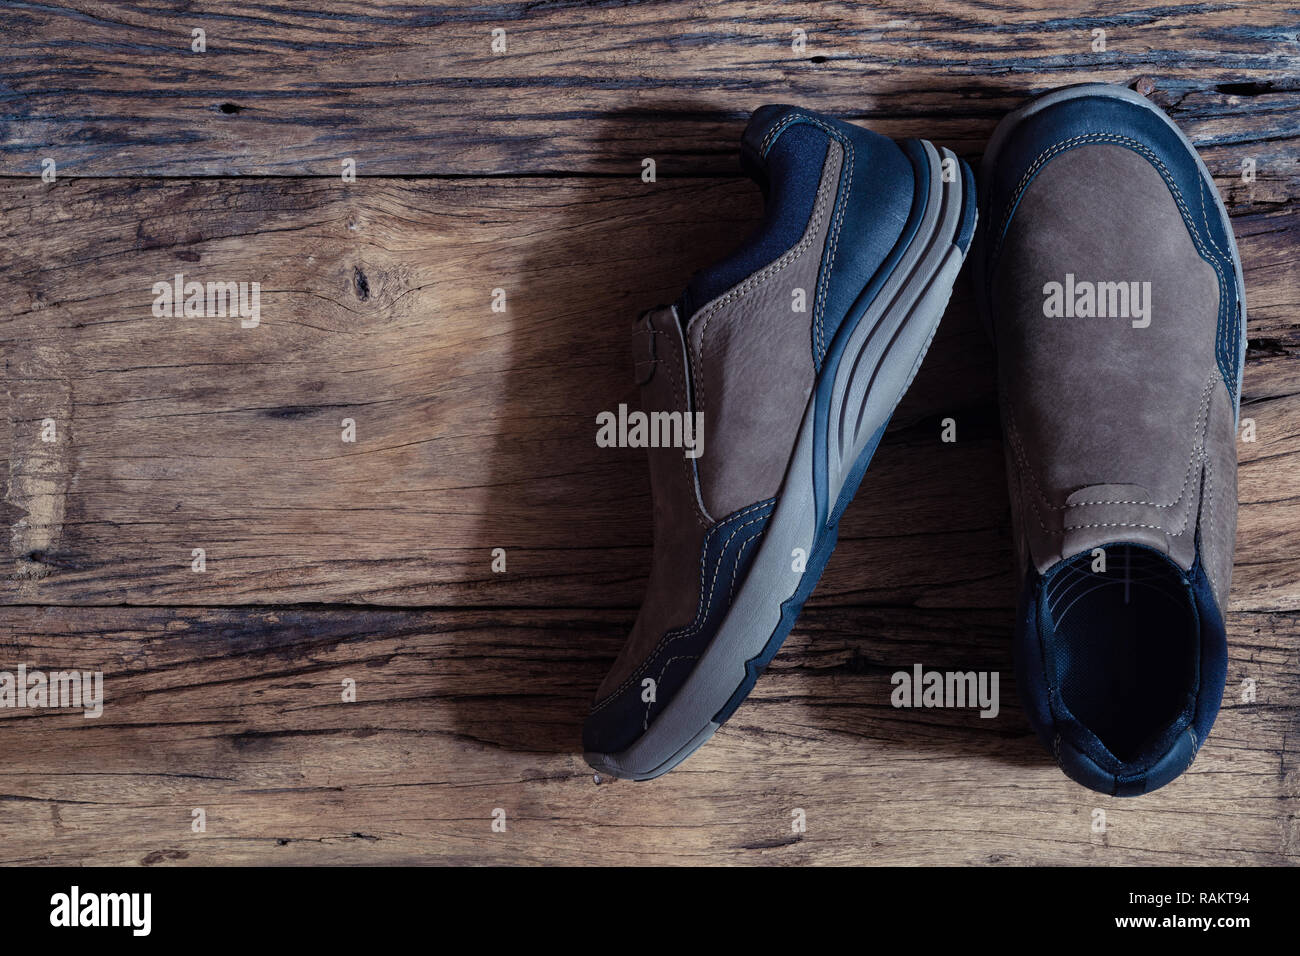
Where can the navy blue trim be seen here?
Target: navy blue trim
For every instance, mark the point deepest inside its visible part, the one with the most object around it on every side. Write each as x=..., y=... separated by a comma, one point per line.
x=620, y=718
x=826, y=381
x=789, y=176
x=879, y=223
x=813, y=569
x=1109, y=120
x=1078, y=751
x=867, y=226
x=967, y=231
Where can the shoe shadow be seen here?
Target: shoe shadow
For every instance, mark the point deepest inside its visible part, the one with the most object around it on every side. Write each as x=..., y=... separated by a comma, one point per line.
x=575, y=519
x=922, y=570
x=922, y=573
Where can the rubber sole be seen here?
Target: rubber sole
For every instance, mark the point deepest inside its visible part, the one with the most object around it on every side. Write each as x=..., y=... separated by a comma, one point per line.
x=871, y=361
x=1041, y=102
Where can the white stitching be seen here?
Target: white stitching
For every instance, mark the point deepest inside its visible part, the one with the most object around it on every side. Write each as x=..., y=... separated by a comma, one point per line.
x=701, y=615
x=1230, y=359
x=1022, y=460
x=1136, y=146
x=740, y=552
x=1115, y=524
x=734, y=568
x=1198, y=453
x=1205, y=218
x=824, y=278
x=819, y=309
x=1209, y=494
x=1219, y=340
x=645, y=721
x=676, y=381
x=757, y=279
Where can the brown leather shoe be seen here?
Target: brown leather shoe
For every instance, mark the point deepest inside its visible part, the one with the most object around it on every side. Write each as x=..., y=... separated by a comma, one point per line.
x=792, y=354
x=1113, y=288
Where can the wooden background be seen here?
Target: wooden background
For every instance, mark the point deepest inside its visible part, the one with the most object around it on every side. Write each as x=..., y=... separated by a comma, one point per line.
x=371, y=561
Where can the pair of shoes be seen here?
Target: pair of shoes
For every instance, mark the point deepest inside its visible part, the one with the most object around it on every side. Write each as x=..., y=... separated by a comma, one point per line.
x=1109, y=279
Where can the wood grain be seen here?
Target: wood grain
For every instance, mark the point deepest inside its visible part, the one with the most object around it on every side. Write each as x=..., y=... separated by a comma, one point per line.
x=110, y=89
x=475, y=429
x=459, y=713
x=371, y=561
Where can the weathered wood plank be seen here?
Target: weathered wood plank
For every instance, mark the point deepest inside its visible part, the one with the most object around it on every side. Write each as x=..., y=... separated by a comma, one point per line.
x=475, y=429
x=239, y=712
x=114, y=89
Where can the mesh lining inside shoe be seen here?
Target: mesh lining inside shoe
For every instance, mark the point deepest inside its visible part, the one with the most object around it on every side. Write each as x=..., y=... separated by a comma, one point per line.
x=1124, y=645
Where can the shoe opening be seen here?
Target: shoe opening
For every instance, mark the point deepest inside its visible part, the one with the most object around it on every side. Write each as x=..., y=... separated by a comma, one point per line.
x=1124, y=642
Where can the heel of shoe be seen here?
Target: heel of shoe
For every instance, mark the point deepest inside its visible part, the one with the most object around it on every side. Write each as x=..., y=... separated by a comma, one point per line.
x=957, y=184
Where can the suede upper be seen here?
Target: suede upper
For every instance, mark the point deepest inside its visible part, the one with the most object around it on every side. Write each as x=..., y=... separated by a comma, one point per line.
x=742, y=347
x=1112, y=289
x=1114, y=431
